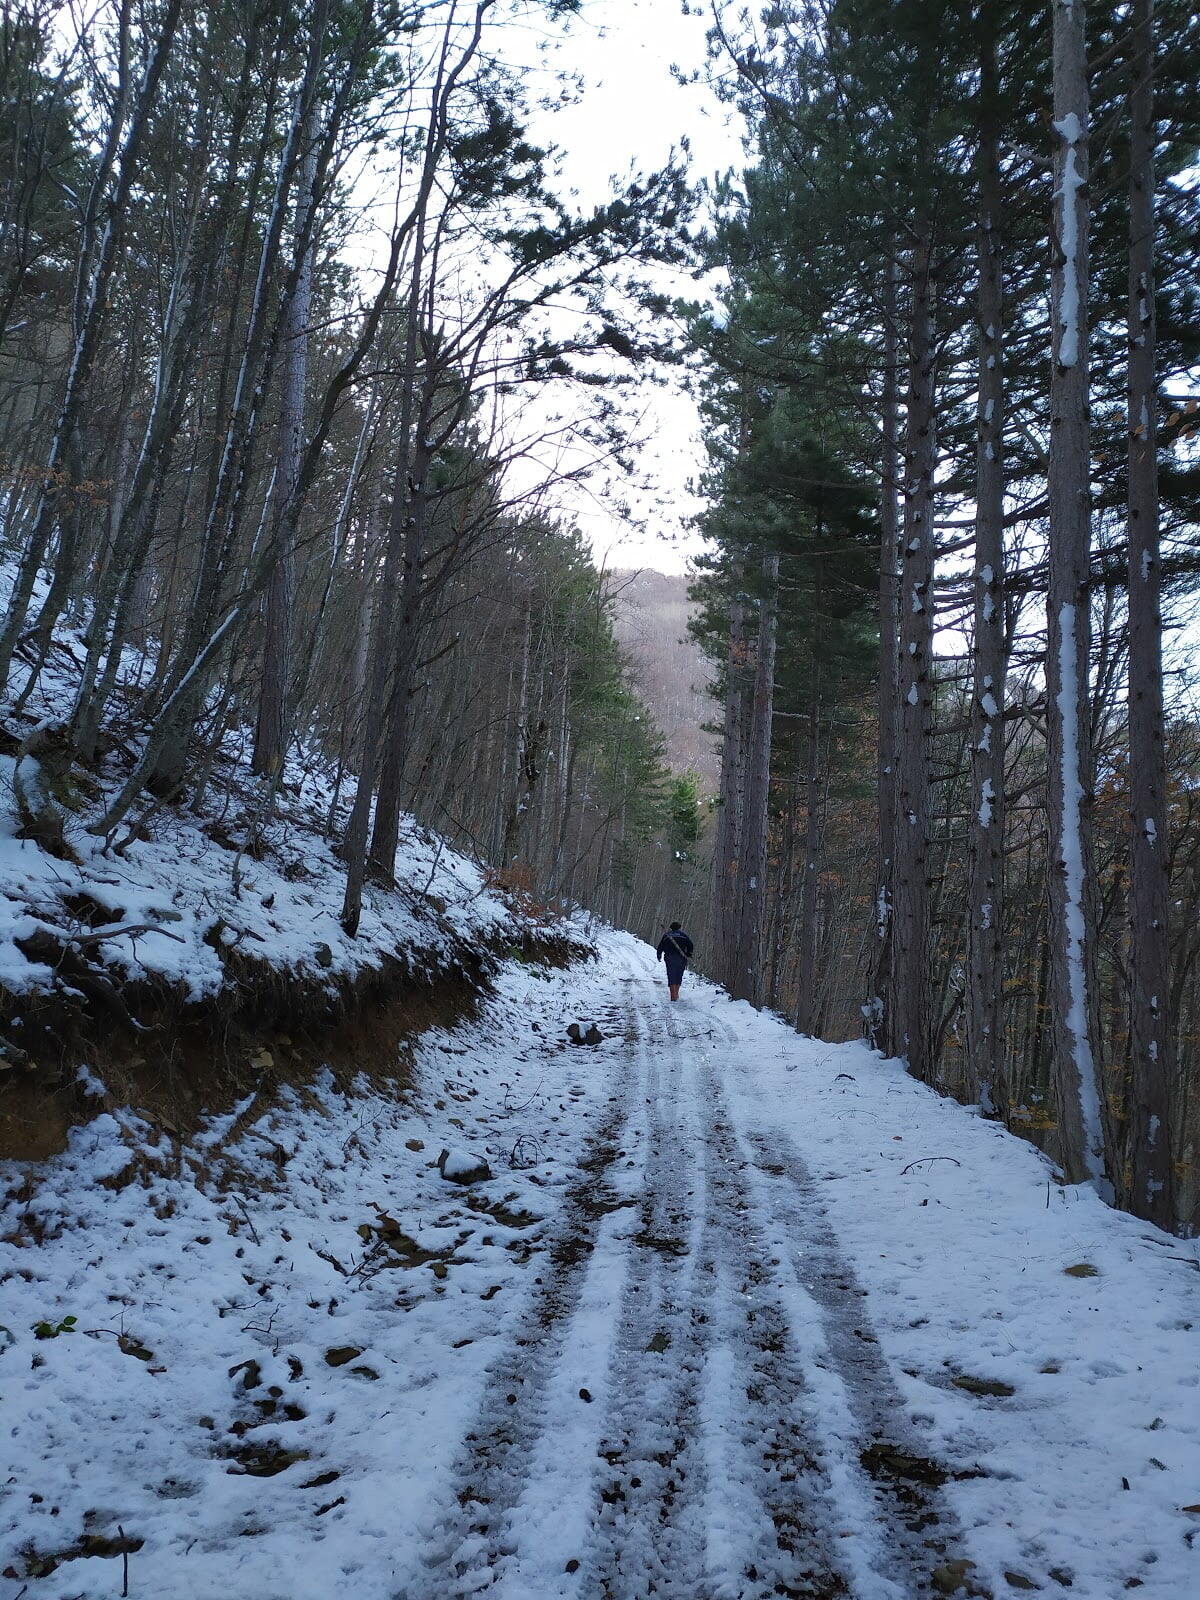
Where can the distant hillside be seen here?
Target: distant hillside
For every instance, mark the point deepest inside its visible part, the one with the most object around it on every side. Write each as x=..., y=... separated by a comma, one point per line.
x=651, y=611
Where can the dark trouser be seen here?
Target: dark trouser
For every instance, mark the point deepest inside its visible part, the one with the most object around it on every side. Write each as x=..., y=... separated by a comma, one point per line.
x=675, y=972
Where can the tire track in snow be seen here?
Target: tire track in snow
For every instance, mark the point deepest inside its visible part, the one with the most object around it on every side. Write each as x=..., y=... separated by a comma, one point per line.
x=648, y=1531
x=921, y=1531
x=881, y=1489
x=735, y=1385
x=785, y=1507
x=508, y=1479
x=774, y=1461
x=713, y=1495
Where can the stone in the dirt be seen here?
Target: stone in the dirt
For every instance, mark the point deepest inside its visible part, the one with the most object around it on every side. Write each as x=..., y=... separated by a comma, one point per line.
x=578, y=1035
x=955, y=1577
x=341, y=1354
x=984, y=1386
x=458, y=1167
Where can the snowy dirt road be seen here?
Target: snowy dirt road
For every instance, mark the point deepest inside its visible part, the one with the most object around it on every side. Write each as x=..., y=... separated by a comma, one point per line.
x=737, y=1315
x=686, y=1406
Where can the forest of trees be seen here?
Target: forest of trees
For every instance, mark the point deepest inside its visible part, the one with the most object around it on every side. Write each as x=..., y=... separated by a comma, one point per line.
x=299, y=350
x=953, y=518
x=304, y=348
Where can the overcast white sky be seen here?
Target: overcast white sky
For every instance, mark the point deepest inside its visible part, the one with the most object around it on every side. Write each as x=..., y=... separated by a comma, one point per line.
x=633, y=113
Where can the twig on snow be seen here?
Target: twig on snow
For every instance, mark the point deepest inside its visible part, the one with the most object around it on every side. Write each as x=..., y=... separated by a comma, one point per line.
x=132, y=929
x=920, y=1161
x=515, y=1111
x=527, y=1152
x=249, y=1223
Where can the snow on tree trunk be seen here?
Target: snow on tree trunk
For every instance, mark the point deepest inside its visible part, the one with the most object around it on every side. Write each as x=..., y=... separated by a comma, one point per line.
x=985, y=955
x=879, y=1007
x=1069, y=777
x=1151, y=1180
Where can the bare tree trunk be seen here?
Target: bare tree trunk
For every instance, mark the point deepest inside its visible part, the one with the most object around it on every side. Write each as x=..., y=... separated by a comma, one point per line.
x=880, y=1005
x=375, y=704
x=727, y=849
x=985, y=900
x=91, y=310
x=1072, y=919
x=259, y=344
x=271, y=730
x=513, y=802
x=567, y=769
x=199, y=253
x=399, y=533
x=910, y=942
x=1151, y=1042
x=806, y=1004
x=385, y=835
x=745, y=977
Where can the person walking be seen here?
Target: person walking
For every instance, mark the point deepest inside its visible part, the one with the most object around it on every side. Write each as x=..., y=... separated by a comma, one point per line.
x=675, y=948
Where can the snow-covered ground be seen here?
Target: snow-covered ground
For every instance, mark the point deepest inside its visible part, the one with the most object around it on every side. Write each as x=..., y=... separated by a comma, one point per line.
x=218, y=876
x=738, y=1314
x=173, y=898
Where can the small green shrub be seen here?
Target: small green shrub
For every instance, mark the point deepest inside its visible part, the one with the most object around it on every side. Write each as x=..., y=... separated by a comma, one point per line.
x=51, y=1330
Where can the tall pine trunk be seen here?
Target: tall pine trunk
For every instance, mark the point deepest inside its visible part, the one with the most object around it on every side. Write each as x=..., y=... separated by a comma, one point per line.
x=810, y=883
x=985, y=960
x=745, y=977
x=727, y=851
x=880, y=1004
x=1151, y=1186
x=912, y=1036
x=1072, y=917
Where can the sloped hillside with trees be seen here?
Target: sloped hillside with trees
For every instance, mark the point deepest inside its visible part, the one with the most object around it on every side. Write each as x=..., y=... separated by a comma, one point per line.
x=652, y=617
x=313, y=497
